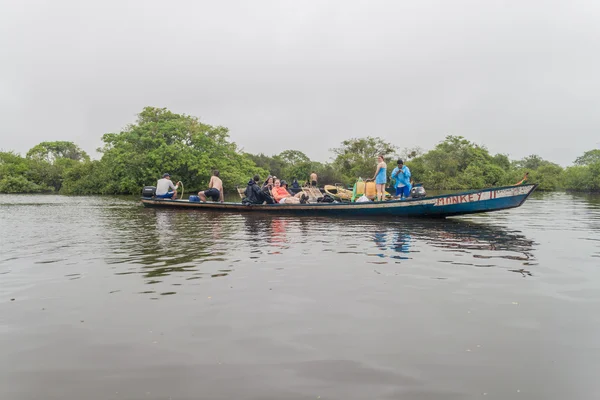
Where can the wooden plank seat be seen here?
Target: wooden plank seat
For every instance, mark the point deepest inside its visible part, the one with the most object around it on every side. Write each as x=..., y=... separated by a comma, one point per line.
x=313, y=193
x=241, y=192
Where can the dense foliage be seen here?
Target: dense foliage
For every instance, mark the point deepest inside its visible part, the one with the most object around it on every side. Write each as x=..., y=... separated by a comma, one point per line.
x=358, y=157
x=43, y=170
x=585, y=175
x=293, y=164
x=162, y=141
x=457, y=163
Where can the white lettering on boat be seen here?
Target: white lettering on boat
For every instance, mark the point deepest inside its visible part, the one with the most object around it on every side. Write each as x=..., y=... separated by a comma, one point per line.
x=481, y=196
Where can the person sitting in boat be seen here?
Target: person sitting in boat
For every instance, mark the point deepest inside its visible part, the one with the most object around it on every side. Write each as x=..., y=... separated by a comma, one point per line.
x=215, y=188
x=165, y=188
x=295, y=184
x=284, y=184
x=380, y=177
x=281, y=195
x=403, y=183
x=254, y=193
x=268, y=185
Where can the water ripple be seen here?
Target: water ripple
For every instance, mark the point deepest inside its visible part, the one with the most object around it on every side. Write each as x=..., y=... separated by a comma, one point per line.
x=184, y=246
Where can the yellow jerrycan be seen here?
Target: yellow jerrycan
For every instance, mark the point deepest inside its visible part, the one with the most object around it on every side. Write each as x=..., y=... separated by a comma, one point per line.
x=360, y=187
x=370, y=190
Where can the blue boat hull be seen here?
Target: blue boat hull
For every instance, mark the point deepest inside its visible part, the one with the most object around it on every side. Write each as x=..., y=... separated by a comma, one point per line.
x=476, y=201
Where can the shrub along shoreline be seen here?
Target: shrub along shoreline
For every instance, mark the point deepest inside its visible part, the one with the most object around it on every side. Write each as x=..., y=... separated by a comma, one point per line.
x=189, y=150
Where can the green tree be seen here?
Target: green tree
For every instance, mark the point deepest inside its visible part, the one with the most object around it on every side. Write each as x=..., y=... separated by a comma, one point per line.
x=294, y=157
x=588, y=158
x=52, y=151
x=546, y=174
x=86, y=178
x=531, y=162
x=20, y=184
x=328, y=174
x=409, y=153
x=502, y=161
x=162, y=141
x=358, y=157
x=457, y=163
x=297, y=165
x=16, y=175
x=271, y=165
x=12, y=164
x=585, y=175
x=581, y=178
x=49, y=162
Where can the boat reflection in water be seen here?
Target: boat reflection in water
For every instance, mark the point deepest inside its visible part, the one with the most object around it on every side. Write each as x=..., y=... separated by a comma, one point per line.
x=480, y=244
x=395, y=240
x=183, y=245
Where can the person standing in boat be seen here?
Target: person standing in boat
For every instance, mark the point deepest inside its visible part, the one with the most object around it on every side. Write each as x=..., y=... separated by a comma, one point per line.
x=215, y=188
x=380, y=177
x=313, y=179
x=165, y=188
x=401, y=174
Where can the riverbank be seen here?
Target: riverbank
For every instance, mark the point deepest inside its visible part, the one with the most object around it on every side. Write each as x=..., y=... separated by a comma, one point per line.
x=191, y=150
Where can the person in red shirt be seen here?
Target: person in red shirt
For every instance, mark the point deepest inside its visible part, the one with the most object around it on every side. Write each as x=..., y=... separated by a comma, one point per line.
x=282, y=196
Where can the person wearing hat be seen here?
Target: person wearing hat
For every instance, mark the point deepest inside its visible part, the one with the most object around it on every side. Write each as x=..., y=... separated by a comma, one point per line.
x=284, y=185
x=165, y=188
x=281, y=194
x=402, y=176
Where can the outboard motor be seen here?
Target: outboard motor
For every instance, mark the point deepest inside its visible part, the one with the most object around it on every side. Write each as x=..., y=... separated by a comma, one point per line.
x=418, y=192
x=149, y=191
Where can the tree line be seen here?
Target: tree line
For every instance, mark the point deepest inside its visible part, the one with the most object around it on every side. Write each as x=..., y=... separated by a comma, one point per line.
x=190, y=150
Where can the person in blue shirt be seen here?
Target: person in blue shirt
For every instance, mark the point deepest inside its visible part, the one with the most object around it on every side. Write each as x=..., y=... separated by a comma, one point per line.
x=380, y=177
x=402, y=176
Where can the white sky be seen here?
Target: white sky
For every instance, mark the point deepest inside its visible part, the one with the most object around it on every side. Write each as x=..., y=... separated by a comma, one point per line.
x=520, y=77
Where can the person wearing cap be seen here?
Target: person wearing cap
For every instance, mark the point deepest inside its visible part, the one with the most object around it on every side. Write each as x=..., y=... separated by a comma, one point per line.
x=165, y=188
x=281, y=195
x=284, y=185
x=402, y=176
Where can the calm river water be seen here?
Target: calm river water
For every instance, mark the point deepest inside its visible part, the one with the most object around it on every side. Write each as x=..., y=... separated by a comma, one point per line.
x=101, y=298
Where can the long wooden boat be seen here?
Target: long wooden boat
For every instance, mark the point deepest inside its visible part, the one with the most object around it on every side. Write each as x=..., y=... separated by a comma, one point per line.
x=469, y=202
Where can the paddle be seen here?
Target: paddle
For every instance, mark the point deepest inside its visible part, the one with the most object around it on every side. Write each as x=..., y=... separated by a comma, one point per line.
x=181, y=197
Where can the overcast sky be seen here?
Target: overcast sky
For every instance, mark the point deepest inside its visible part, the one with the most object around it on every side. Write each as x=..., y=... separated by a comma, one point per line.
x=520, y=77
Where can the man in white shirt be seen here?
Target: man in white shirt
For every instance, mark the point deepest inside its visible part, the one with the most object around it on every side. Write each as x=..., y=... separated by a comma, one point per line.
x=165, y=188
